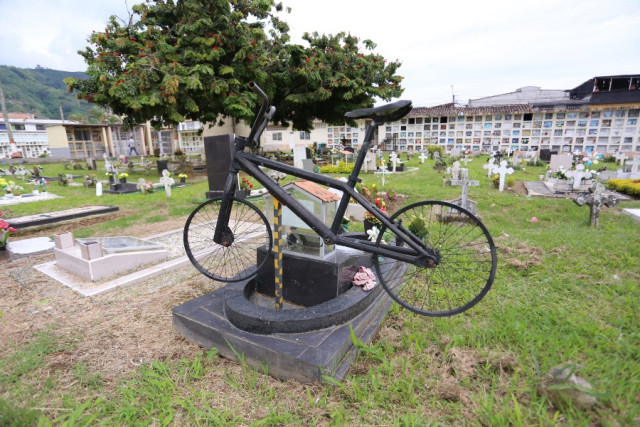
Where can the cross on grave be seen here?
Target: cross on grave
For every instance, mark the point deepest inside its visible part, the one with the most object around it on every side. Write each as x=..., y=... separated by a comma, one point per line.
x=466, y=159
x=107, y=164
x=578, y=175
x=620, y=158
x=393, y=158
x=489, y=166
x=595, y=200
x=509, y=151
x=423, y=156
x=465, y=184
x=167, y=181
x=503, y=171
x=383, y=173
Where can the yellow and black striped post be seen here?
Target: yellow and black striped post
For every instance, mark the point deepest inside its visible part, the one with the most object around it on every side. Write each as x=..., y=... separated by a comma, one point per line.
x=277, y=251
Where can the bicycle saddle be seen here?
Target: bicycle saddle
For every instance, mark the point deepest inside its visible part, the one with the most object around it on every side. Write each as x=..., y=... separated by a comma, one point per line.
x=384, y=113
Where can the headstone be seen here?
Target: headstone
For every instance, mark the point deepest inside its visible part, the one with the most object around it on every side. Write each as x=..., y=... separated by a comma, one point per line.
x=98, y=189
x=91, y=163
x=424, y=156
x=454, y=153
x=455, y=171
x=561, y=160
x=489, y=166
x=167, y=181
x=307, y=164
x=63, y=240
x=299, y=153
x=369, y=162
x=595, y=200
x=218, y=151
x=436, y=155
x=465, y=184
x=503, y=171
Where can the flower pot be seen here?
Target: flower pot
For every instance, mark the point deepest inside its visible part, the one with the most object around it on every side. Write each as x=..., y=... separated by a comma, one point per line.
x=112, y=179
x=123, y=180
x=183, y=180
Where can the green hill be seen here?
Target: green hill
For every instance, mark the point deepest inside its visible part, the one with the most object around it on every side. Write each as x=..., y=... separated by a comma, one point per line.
x=40, y=91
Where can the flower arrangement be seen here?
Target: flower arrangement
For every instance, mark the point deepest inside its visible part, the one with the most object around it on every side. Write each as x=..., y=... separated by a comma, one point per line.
x=5, y=231
x=123, y=175
x=145, y=186
x=183, y=175
x=391, y=194
x=3, y=184
x=13, y=188
x=380, y=204
x=560, y=173
x=245, y=184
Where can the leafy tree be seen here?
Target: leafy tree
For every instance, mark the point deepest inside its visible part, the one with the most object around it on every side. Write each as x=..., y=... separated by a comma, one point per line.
x=177, y=59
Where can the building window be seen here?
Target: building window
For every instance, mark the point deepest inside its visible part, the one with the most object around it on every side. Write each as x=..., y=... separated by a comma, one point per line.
x=276, y=136
x=305, y=135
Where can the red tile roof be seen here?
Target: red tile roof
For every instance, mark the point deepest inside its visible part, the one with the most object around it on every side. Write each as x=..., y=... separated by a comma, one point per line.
x=454, y=110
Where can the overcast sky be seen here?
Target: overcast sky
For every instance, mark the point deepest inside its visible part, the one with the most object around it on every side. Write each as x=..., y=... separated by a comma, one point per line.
x=469, y=48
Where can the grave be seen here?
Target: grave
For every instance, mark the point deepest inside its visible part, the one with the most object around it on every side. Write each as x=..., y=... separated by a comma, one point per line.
x=304, y=332
x=98, y=258
x=27, y=247
x=38, y=220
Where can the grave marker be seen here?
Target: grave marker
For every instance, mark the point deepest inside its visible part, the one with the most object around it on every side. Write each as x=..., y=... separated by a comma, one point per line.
x=464, y=182
x=455, y=171
x=578, y=175
x=424, y=156
x=167, y=181
x=595, y=200
x=393, y=158
x=503, y=171
x=561, y=160
x=489, y=166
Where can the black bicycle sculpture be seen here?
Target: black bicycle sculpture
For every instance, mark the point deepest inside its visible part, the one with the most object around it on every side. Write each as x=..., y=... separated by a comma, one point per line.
x=448, y=257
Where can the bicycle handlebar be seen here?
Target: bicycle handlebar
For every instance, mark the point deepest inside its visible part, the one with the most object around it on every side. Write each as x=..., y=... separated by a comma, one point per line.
x=262, y=119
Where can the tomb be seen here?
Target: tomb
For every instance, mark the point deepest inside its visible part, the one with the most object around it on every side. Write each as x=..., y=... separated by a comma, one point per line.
x=101, y=257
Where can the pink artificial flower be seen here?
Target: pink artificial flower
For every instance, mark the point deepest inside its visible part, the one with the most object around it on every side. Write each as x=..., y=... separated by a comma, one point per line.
x=12, y=230
x=534, y=220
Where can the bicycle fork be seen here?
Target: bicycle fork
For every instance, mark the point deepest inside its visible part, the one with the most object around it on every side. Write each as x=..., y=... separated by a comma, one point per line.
x=223, y=234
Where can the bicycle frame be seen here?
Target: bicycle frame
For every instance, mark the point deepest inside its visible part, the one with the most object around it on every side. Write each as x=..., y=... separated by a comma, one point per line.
x=415, y=252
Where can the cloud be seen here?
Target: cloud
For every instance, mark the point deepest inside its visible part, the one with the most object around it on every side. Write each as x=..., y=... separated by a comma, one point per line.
x=479, y=48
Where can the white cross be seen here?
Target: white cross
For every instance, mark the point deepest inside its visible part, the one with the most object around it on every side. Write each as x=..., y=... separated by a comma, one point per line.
x=423, y=156
x=466, y=159
x=489, y=166
x=578, y=175
x=503, y=171
x=167, y=181
x=393, y=158
x=620, y=158
x=383, y=174
x=465, y=183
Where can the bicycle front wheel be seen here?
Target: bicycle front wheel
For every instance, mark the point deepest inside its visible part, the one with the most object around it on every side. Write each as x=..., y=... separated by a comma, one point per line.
x=233, y=263
x=465, y=253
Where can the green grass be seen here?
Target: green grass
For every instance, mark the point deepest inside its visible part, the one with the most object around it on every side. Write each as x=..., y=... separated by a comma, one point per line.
x=564, y=293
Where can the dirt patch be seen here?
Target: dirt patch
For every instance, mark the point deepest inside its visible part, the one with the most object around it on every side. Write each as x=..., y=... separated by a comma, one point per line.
x=520, y=255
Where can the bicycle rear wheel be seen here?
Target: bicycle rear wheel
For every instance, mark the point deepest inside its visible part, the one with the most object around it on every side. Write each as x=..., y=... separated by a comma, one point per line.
x=239, y=260
x=466, y=264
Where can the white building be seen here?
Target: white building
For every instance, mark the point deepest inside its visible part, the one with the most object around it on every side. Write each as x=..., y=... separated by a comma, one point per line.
x=29, y=134
x=601, y=114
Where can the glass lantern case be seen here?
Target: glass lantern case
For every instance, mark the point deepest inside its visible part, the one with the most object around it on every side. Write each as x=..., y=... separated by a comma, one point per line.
x=298, y=237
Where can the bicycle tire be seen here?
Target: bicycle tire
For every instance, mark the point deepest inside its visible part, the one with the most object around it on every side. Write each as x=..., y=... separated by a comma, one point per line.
x=234, y=263
x=465, y=269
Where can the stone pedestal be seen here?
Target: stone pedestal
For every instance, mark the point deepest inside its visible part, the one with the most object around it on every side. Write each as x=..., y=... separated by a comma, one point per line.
x=297, y=342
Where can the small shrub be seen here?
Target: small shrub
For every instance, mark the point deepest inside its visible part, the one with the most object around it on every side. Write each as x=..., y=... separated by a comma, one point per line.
x=341, y=168
x=510, y=181
x=630, y=187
